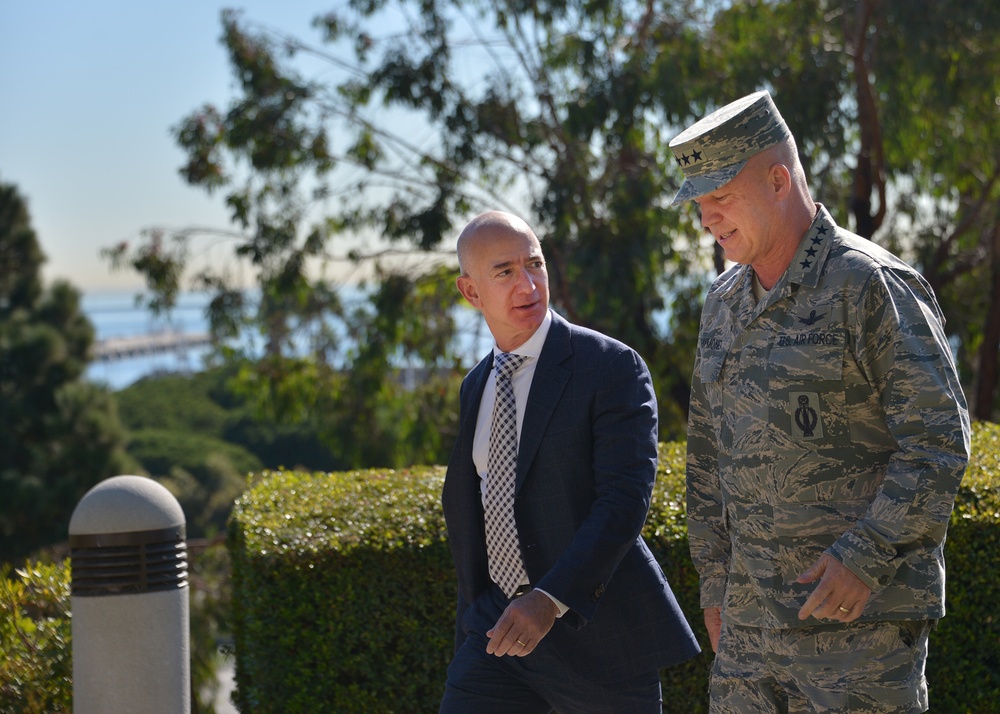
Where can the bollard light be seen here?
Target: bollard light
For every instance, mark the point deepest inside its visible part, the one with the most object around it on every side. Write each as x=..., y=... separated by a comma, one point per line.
x=131, y=651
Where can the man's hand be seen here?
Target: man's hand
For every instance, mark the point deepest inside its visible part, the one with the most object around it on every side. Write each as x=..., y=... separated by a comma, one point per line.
x=713, y=623
x=840, y=595
x=522, y=625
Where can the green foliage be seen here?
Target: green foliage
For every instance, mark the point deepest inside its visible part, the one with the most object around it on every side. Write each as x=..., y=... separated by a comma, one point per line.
x=892, y=103
x=205, y=474
x=963, y=667
x=561, y=112
x=343, y=593
x=197, y=437
x=210, y=593
x=36, y=632
x=343, y=590
x=58, y=435
x=35, y=652
x=666, y=533
x=208, y=404
x=175, y=403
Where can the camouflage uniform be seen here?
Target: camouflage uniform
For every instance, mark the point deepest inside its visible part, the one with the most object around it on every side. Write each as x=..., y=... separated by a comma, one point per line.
x=826, y=418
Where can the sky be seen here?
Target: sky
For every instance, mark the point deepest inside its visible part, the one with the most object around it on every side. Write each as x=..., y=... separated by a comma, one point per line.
x=89, y=93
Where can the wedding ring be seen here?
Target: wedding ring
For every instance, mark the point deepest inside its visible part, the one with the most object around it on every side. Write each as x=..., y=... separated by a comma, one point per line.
x=843, y=609
x=523, y=644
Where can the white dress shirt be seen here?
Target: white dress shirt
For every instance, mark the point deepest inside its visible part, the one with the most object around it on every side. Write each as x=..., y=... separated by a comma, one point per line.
x=521, y=382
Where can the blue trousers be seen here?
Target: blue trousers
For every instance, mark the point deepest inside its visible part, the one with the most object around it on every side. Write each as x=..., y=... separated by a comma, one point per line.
x=481, y=683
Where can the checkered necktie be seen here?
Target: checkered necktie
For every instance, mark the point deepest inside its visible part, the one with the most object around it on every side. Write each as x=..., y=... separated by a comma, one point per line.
x=506, y=566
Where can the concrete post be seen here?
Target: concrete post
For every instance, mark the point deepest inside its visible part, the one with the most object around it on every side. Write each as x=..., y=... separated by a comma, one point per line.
x=131, y=651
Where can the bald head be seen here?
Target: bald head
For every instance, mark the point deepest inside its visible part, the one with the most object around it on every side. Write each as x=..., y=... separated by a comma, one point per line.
x=485, y=227
x=504, y=276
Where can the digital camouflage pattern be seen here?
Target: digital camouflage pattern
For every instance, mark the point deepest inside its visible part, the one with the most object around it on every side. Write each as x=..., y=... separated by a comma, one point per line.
x=877, y=667
x=828, y=417
x=713, y=150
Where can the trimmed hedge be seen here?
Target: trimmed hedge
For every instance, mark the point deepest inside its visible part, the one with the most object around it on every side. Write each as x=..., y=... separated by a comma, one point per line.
x=344, y=592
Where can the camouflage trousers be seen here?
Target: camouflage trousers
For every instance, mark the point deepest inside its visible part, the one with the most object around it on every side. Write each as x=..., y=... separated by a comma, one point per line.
x=869, y=667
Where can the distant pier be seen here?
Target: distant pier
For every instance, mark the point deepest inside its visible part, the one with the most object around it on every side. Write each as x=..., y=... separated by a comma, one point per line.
x=116, y=348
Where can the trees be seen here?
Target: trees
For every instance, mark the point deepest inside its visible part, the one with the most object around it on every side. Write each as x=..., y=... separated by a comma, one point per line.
x=558, y=126
x=896, y=103
x=560, y=110
x=58, y=435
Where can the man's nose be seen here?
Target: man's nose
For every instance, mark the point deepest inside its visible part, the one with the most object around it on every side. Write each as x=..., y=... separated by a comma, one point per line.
x=708, y=216
x=525, y=281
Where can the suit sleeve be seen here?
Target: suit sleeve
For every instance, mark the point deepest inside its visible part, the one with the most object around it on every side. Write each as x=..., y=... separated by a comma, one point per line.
x=624, y=455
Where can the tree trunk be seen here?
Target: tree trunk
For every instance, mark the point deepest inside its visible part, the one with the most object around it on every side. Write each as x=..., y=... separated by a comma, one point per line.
x=869, y=174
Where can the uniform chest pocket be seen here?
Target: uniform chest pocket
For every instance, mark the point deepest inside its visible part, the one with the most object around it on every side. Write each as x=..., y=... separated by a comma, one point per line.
x=806, y=387
x=804, y=357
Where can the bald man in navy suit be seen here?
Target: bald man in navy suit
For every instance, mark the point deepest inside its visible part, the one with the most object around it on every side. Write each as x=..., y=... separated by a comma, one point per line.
x=589, y=618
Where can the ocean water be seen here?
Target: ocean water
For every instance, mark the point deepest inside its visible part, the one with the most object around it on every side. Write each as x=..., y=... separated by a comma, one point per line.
x=115, y=315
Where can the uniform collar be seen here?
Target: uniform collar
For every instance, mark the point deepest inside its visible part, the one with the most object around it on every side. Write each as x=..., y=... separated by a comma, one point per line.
x=807, y=265
x=805, y=268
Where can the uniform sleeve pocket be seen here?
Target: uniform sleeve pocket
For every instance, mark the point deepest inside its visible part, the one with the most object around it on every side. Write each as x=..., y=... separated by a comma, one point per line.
x=711, y=367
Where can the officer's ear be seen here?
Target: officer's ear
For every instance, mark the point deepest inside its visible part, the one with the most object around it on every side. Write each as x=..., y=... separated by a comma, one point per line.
x=779, y=180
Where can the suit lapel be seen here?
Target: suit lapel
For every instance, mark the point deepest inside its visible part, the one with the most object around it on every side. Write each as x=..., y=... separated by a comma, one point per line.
x=474, y=396
x=546, y=388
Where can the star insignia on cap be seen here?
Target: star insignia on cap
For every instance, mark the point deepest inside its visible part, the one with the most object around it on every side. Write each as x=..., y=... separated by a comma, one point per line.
x=696, y=155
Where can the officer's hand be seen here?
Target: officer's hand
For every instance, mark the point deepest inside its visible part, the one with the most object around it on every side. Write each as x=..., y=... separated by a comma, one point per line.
x=840, y=595
x=522, y=625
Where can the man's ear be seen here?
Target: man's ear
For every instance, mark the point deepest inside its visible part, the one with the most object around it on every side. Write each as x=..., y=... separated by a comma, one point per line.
x=467, y=287
x=780, y=181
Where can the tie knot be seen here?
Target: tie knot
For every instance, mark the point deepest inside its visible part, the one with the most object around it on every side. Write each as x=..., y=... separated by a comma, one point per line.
x=507, y=363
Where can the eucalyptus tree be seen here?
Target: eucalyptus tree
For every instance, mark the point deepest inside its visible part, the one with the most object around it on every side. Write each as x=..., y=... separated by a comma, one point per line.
x=376, y=142
x=417, y=116
x=897, y=105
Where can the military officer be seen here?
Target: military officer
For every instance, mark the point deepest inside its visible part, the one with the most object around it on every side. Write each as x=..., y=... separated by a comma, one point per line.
x=827, y=437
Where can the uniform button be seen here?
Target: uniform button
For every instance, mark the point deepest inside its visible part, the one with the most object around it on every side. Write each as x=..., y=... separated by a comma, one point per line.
x=599, y=592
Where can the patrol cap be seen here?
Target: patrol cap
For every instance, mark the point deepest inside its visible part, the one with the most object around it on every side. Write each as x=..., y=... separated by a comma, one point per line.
x=714, y=149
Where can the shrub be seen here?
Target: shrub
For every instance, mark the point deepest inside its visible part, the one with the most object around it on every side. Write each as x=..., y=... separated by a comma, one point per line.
x=36, y=633
x=963, y=664
x=35, y=657
x=344, y=591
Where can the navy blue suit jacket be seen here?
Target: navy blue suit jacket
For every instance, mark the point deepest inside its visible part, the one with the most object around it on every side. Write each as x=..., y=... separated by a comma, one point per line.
x=585, y=472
